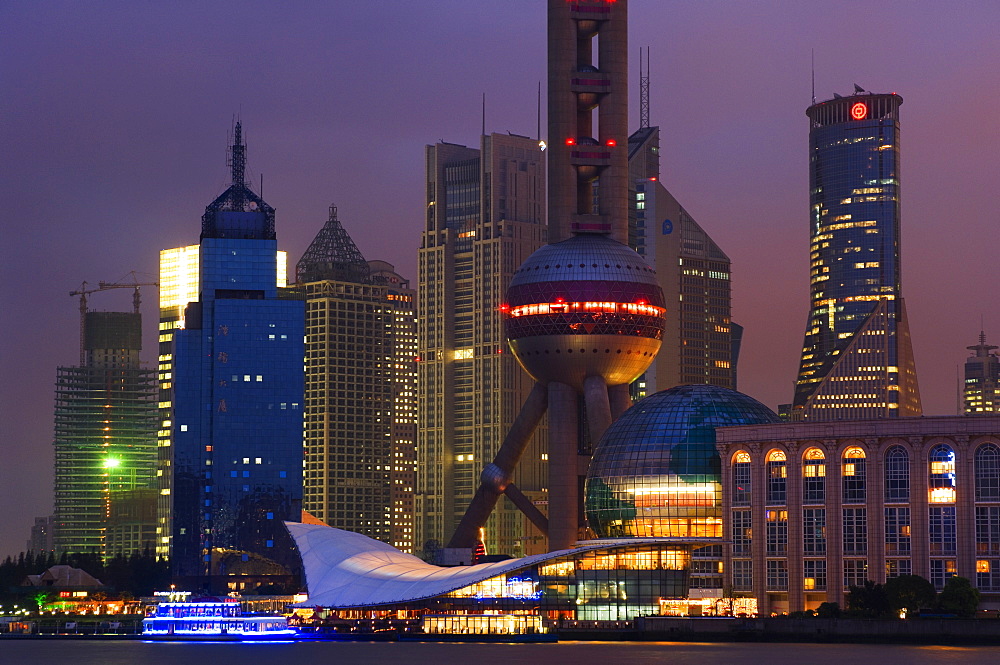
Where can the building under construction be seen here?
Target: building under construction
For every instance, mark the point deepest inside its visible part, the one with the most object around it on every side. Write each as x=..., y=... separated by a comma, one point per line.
x=105, y=440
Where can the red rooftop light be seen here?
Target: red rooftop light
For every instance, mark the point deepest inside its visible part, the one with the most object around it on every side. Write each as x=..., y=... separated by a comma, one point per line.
x=571, y=141
x=611, y=143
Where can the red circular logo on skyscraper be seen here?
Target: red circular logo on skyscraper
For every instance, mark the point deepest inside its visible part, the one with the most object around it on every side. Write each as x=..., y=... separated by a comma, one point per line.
x=859, y=111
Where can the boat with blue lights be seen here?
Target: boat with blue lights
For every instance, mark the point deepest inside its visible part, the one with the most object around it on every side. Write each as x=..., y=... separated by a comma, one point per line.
x=211, y=619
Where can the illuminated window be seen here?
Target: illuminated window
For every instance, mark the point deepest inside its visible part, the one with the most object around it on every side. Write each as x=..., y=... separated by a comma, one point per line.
x=897, y=530
x=942, y=474
x=776, y=524
x=814, y=476
x=854, y=477
x=777, y=477
x=814, y=575
x=741, y=479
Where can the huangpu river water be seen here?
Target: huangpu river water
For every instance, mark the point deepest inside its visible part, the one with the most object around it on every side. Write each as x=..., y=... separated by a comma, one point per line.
x=81, y=652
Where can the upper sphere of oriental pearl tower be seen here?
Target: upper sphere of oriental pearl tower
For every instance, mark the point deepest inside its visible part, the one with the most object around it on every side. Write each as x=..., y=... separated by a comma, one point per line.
x=586, y=306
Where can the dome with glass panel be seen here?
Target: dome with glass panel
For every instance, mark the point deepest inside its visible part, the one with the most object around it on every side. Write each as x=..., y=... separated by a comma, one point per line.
x=656, y=472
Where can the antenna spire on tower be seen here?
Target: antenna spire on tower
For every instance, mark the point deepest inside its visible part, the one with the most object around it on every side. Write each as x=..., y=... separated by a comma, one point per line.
x=643, y=91
x=812, y=53
x=238, y=165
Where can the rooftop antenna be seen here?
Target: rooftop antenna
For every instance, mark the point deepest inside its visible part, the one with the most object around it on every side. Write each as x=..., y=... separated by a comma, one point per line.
x=813, y=54
x=538, y=112
x=238, y=164
x=643, y=91
x=484, y=114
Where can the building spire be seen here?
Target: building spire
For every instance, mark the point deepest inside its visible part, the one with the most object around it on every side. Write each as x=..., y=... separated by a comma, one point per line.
x=217, y=222
x=333, y=255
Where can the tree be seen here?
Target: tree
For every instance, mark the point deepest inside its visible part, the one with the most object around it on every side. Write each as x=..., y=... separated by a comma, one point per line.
x=909, y=592
x=868, y=600
x=959, y=597
x=828, y=611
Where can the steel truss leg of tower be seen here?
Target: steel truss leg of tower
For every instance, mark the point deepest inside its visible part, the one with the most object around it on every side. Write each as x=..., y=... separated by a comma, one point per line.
x=525, y=505
x=566, y=467
x=495, y=478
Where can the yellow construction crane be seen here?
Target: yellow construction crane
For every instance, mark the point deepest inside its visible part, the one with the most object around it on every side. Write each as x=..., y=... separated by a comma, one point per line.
x=83, y=292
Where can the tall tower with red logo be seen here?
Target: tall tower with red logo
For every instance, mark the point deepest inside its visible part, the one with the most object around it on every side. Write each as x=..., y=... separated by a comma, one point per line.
x=857, y=359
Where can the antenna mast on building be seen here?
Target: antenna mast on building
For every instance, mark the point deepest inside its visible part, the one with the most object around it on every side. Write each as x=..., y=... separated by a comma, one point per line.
x=812, y=53
x=643, y=91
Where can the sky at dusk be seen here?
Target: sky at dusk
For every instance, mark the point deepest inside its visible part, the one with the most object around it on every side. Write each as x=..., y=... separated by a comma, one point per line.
x=114, y=118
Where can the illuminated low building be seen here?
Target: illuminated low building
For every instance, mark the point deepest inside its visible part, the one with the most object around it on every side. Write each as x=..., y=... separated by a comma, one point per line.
x=812, y=509
x=611, y=579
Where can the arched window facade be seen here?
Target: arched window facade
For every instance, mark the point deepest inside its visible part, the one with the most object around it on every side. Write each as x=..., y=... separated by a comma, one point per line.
x=814, y=476
x=777, y=478
x=742, y=484
x=897, y=475
x=942, y=474
x=987, y=464
x=853, y=471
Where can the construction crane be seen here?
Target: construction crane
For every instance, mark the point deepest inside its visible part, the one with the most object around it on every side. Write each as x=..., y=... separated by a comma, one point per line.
x=83, y=292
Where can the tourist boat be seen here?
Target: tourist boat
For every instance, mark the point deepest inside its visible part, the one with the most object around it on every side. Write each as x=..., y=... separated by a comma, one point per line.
x=212, y=620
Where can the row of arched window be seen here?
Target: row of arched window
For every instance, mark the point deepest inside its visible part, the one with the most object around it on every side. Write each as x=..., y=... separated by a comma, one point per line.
x=853, y=471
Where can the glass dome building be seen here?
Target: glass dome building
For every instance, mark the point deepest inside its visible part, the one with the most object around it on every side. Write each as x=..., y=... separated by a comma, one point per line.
x=656, y=471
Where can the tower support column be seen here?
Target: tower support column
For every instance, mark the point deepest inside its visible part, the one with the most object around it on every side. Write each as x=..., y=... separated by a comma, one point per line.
x=563, y=474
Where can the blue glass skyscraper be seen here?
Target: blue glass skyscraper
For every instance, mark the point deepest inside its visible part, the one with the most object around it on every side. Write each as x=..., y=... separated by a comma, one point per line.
x=857, y=360
x=238, y=393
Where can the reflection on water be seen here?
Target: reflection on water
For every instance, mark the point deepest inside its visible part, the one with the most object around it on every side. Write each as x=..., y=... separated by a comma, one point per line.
x=80, y=652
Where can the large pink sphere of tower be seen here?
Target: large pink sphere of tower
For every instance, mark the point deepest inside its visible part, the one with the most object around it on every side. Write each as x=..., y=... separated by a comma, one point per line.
x=586, y=306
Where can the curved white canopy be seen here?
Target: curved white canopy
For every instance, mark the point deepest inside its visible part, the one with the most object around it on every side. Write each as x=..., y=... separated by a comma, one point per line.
x=345, y=569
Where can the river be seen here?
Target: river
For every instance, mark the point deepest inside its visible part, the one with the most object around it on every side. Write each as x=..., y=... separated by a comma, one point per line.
x=85, y=652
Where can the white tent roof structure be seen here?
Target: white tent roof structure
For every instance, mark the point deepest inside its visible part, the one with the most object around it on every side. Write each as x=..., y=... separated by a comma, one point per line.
x=345, y=569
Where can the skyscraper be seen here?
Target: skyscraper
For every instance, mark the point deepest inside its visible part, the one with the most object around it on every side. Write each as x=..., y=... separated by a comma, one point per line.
x=694, y=273
x=360, y=405
x=235, y=456
x=981, y=391
x=105, y=434
x=857, y=359
x=485, y=214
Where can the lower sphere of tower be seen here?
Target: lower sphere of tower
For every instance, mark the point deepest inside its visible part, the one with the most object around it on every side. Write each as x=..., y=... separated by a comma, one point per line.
x=494, y=477
x=586, y=306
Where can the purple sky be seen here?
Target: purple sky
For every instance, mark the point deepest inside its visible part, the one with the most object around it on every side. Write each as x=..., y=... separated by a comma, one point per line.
x=115, y=117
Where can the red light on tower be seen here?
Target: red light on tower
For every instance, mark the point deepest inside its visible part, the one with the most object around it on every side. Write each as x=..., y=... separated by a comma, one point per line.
x=611, y=143
x=571, y=141
x=859, y=111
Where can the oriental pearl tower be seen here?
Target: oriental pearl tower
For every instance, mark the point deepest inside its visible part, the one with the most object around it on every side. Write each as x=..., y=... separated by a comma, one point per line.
x=584, y=314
